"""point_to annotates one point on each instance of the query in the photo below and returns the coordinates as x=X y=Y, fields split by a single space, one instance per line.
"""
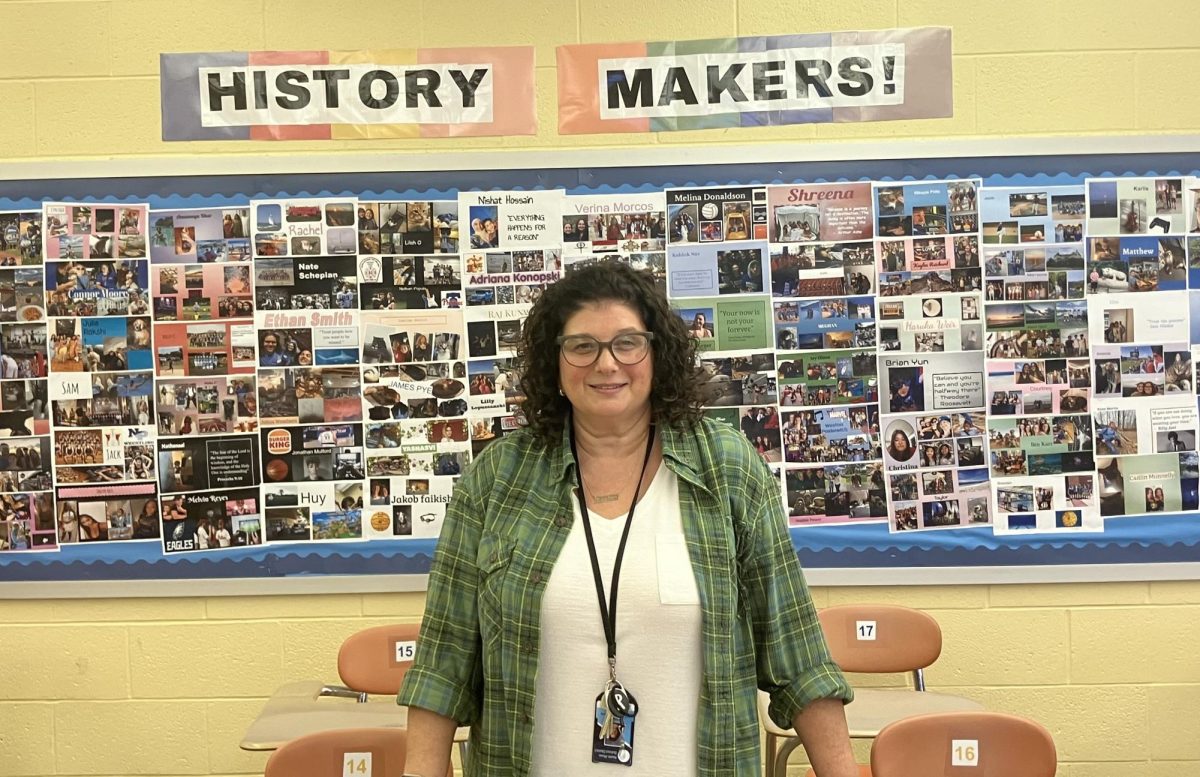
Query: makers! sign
x=309 y=95
x=790 y=79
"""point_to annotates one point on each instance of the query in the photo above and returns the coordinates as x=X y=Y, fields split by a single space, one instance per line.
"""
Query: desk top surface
x=874 y=708
x=298 y=709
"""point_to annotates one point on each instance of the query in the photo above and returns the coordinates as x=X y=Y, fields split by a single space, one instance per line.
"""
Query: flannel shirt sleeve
x=793 y=661
x=446 y=676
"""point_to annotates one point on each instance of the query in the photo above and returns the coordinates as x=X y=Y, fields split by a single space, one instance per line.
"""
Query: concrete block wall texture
x=79 y=78
x=166 y=687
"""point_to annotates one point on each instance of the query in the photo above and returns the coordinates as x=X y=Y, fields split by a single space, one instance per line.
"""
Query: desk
x=871 y=710
x=298 y=709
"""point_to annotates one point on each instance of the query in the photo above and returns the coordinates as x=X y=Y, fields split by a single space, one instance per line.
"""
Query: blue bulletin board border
x=1159 y=540
x=1139 y=542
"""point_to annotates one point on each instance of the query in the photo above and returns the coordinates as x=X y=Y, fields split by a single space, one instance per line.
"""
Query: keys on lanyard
x=617 y=704
x=616 y=709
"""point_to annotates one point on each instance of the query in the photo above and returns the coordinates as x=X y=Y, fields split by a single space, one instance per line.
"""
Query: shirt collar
x=679 y=447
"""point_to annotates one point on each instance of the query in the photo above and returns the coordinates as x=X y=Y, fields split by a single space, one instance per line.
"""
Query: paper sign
x=964 y=752
x=841 y=76
x=356 y=764
x=405 y=651
x=325 y=95
x=864 y=631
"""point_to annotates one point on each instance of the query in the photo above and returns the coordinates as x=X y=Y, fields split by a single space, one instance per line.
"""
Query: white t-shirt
x=659 y=647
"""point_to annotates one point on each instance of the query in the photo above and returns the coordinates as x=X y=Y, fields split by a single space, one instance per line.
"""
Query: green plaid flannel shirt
x=477 y=657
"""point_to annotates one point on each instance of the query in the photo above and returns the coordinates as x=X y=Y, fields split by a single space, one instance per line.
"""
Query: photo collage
x=925 y=355
x=931 y=365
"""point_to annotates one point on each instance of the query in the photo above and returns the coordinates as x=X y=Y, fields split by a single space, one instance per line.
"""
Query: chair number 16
x=964 y=752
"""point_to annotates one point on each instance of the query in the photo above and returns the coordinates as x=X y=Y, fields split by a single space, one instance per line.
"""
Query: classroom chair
x=359 y=752
x=371 y=661
x=374 y=661
x=971 y=744
x=872 y=639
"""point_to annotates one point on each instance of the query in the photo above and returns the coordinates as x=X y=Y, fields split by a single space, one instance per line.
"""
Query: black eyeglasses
x=584 y=350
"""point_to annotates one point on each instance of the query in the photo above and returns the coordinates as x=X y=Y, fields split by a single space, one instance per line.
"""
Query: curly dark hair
x=675 y=391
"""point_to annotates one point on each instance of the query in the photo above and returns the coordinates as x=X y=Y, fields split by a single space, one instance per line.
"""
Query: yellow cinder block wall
x=166 y=687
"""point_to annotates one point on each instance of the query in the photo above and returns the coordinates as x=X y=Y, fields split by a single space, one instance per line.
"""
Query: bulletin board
x=1163 y=544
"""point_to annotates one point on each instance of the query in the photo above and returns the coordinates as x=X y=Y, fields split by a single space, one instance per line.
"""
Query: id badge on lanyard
x=612 y=734
x=616 y=708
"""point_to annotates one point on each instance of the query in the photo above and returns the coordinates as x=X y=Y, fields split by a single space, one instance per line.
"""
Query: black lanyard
x=608 y=610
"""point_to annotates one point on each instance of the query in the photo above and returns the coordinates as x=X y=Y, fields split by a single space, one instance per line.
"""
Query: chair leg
x=462 y=756
x=769 y=755
x=785 y=752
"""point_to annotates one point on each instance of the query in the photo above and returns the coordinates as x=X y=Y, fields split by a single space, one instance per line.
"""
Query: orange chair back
x=362 y=752
x=863 y=771
x=876 y=638
x=964 y=744
x=376 y=660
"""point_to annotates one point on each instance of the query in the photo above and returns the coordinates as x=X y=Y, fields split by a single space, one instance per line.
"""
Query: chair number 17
x=356 y=765
x=865 y=630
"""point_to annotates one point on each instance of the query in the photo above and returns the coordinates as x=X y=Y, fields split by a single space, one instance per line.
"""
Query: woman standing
x=618 y=492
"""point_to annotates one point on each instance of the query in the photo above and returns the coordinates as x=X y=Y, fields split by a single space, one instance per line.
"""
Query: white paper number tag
x=356 y=765
x=964 y=752
x=864 y=630
x=405 y=651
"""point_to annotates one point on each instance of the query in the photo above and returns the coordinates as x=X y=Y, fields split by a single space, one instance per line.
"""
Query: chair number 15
x=865 y=630
x=406 y=650
x=356 y=765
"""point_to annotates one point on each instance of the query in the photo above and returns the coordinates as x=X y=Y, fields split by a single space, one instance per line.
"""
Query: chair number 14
x=865 y=630
x=964 y=752
x=356 y=765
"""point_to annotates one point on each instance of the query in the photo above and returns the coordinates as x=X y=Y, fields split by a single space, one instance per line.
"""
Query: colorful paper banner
x=332 y=95
x=756 y=81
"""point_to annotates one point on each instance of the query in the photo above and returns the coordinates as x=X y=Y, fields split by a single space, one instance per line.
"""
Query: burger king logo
x=279 y=441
